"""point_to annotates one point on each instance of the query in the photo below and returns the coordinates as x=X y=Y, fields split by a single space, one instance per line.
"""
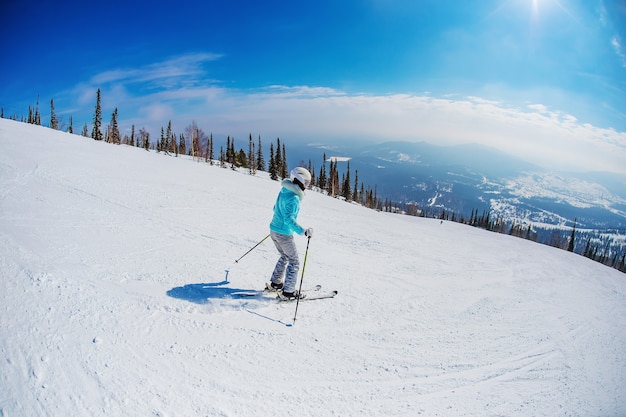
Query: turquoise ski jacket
x=286 y=209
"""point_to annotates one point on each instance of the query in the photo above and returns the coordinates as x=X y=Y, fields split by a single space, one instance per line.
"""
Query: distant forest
x=194 y=142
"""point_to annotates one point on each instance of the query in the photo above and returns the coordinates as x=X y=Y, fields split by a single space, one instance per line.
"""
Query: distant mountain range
x=473 y=177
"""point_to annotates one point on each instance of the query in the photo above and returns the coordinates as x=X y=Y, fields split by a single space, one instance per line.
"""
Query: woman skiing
x=283 y=225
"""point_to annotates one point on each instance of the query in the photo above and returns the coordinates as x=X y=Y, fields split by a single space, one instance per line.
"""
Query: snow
x=573 y=191
x=114 y=301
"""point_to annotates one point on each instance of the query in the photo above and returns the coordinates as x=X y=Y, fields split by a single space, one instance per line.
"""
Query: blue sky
x=543 y=79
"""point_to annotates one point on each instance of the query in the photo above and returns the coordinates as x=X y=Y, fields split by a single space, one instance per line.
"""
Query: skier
x=283 y=225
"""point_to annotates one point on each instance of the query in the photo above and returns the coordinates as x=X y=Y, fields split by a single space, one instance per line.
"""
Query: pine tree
x=115 y=132
x=132 y=136
x=272 y=167
x=161 y=143
x=321 y=180
x=330 y=186
x=231 y=157
x=251 y=156
x=227 y=155
x=222 y=157
x=37 y=119
x=311 y=170
x=570 y=246
x=355 y=193
x=54 y=122
x=85 y=131
x=260 y=161
x=170 y=144
x=528 y=233
x=96 y=132
x=278 y=160
x=241 y=159
x=182 y=145
x=284 y=173
x=346 y=191
x=334 y=185
x=210 y=154
x=71 y=128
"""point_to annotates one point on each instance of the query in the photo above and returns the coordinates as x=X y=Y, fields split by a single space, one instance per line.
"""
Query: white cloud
x=181 y=70
x=179 y=90
x=617 y=45
x=536 y=133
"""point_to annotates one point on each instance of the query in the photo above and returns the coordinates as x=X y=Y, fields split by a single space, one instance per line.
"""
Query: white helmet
x=302 y=175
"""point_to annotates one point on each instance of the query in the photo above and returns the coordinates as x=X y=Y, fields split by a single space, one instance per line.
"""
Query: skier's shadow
x=202 y=293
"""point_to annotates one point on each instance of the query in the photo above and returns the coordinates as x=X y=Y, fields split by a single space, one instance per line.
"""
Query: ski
x=307 y=297
x=269 y=288
x=268 y=291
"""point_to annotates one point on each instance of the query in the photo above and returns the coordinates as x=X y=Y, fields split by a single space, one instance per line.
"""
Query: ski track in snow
x=114 y=301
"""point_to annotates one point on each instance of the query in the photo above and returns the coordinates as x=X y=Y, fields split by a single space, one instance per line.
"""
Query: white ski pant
x=288 y=261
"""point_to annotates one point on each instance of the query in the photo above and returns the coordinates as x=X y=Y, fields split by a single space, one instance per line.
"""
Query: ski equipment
x=306 y=253
x=251 y=249
x=308 y=297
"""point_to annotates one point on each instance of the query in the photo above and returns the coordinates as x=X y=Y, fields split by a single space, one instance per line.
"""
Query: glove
x=308 y=232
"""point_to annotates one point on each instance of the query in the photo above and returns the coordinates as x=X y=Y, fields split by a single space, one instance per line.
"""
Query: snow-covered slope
x=113 y=302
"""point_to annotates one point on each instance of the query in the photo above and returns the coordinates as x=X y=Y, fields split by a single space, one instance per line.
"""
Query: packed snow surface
x=115 y=301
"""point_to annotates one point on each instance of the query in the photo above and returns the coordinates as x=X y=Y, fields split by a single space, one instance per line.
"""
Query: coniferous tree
x=334 y=186
x=321 y=180
x=210 y=154
x=355 y=193
x=54 y=122
x=370 y=201
x=278 y=160
x=230 y=152
x=346 y=191
x=169 y=143
x=132 y=136
x=284 y=169
x=174 y=143
x=272 y=167
x=311 y=170
x=182 y=145
x=71 y=128
x=115 y=132
x=330 y=186
x=241 y=160
x=570 y=246
x=85 y=131
x=222 y=157
x=37 y=120
x=161 y=142
x=227 y=155
x=96 y=132
x=260 y=161
x=251 y=156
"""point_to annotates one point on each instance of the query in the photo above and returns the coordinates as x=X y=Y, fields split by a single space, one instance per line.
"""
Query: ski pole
x=306 y=253
x=251 y=249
